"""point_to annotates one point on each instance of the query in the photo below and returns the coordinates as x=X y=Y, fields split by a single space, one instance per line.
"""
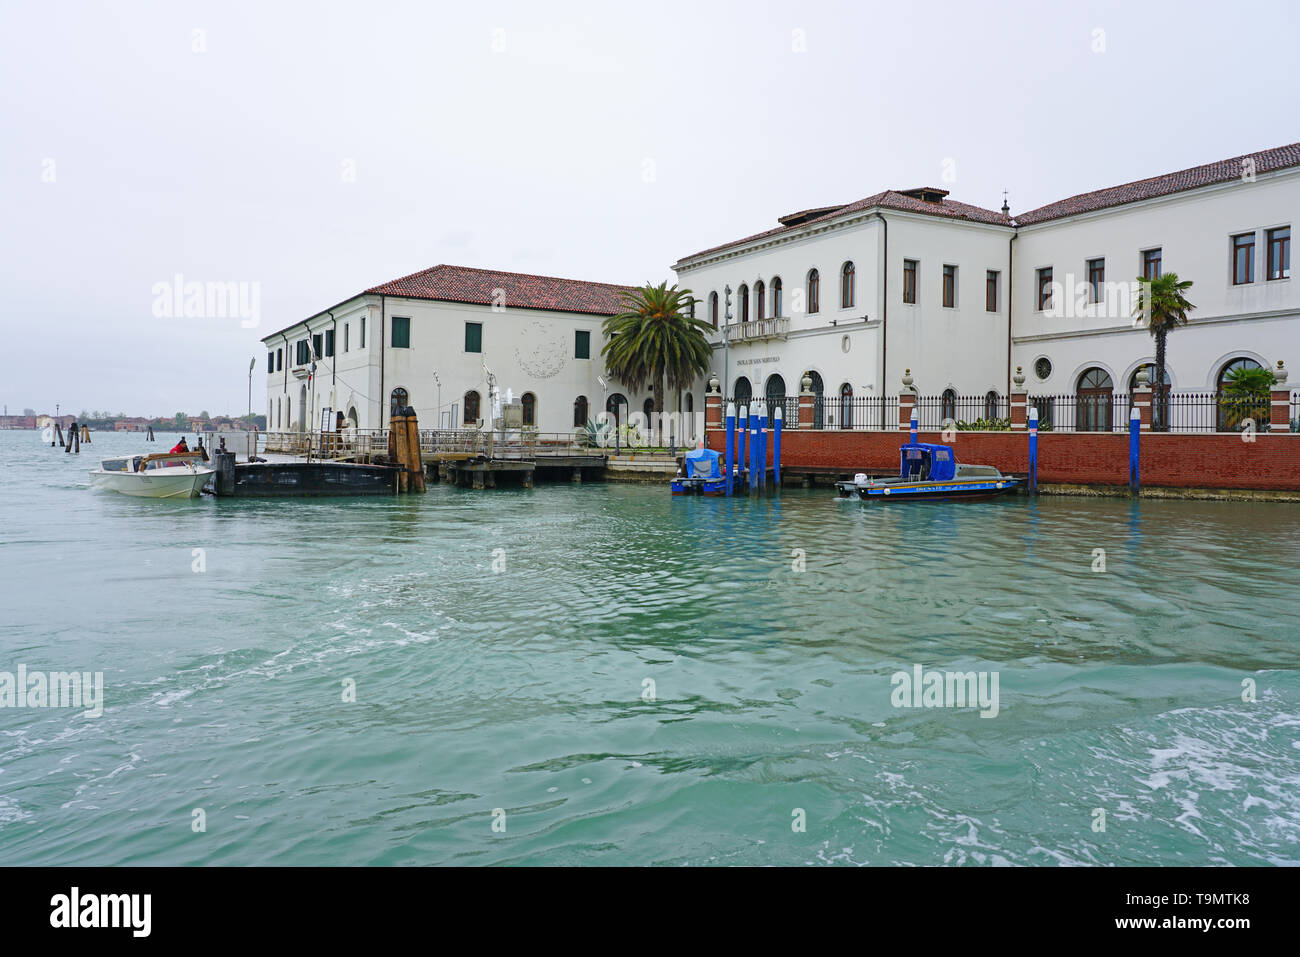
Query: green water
x=525 y=689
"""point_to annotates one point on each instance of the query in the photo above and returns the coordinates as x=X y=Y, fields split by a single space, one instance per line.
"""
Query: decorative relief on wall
x=547 y=358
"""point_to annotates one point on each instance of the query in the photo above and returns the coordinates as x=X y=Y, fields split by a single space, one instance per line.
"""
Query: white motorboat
x=161 y=475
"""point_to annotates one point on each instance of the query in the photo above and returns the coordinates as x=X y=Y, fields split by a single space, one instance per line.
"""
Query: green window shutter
x=473 y=337
x=401 y=332
x=582 y=344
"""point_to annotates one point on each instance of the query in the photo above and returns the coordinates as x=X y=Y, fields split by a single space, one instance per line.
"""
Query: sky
x=307 y=151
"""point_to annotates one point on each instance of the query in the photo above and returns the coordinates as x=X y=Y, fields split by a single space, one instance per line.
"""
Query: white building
x=430 y=340
x=855 y=294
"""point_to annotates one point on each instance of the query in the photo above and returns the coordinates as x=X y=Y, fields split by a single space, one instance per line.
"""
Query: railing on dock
x=368 y=444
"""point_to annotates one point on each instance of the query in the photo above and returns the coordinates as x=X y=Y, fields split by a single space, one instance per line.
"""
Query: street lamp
x=252 y=363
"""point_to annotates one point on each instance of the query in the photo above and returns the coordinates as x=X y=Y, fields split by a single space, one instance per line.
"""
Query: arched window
x=288 y=414
x=713 y=309
x=1233 y=412
x=819 y=400
x=743 y=299
x=775 y=393
x=760 y=300
x=846 y=406
x=615 y=404
x=580 y=411
x=742 y=393
x=1093 y=399
x=814 y=290
x=398 y=401
x=776 y=298
x=529 y=402
x=991 y=405
x=648 y=407
x=690 y=403
x=471 y=407
x=948 y=405
x=847 y=276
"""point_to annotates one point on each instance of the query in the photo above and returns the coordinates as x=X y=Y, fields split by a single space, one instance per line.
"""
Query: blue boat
x=701 y=475
x=930 y=472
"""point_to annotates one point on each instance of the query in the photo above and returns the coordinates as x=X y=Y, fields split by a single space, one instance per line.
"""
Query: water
x=522 y=690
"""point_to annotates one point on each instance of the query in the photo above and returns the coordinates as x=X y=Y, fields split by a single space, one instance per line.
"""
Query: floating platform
x=299 y=479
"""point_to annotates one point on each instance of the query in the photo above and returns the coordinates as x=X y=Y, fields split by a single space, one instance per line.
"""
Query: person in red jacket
x=180 y=446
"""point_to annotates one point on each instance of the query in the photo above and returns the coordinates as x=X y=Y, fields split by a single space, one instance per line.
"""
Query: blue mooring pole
x=913 y=426
x=731 y=442
x=753 y=450
x=742 y=437
x=1033 y=450
x=776 y=447
x=1134 y=443
x=762 y=443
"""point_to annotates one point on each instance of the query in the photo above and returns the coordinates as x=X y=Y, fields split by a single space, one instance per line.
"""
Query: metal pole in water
x=742 y=437
x=776 y=447
x=762 y=443
x=731 y=443
x=1033 y=450
x=753 y=451
x=1134 y=442
x=913 y=425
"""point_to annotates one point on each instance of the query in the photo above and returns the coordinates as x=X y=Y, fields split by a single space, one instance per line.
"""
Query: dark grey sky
x=315 y=149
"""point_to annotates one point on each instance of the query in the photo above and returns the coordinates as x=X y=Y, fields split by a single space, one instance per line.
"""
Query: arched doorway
x=948 y=406
x=398 y=401
x=742 y=394
x=760 y=299
x=614 y=405
x=819 y=400
x=846 y=406
x=529 y=403
x=775 y=394
x=471 y=403
x=580 y=412
x=1232 y=412
x=1093 y=401
x=1159 y=403
x=352 y=421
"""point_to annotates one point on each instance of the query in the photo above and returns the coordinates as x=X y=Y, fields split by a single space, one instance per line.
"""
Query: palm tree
x=1246 y=394
x=1162 y=302
x=656 y=340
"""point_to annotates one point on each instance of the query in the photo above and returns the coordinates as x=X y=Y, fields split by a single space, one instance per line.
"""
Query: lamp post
x=252 y=363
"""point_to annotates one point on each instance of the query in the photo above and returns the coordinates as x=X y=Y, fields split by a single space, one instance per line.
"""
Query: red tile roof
x=1197 y=176
x=522 y=291
x=889 y=199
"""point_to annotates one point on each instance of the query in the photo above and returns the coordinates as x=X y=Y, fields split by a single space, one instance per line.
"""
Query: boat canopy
x=922 y=460
x=702 y=463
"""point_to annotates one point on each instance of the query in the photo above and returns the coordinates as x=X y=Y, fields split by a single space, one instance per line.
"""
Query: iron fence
x=1181 y=412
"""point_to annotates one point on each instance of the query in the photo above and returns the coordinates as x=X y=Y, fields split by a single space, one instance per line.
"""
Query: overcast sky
x=315 y=149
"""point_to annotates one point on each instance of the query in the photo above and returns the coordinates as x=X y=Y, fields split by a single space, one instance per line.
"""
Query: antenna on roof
x=1006 y=210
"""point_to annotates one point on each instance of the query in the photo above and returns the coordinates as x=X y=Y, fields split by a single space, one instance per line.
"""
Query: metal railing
x=371 y=443
x=1182 y=412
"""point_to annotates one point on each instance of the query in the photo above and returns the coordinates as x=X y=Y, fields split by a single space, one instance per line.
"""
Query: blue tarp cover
x=702 y=463
x=922 y=460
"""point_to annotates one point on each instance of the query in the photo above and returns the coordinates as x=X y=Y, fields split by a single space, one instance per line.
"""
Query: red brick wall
x=1272 y=461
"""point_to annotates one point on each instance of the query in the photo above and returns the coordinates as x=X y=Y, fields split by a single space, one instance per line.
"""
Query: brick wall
x=1218 y=461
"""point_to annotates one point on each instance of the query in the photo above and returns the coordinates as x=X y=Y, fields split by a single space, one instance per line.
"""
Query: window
x=345 y=337
x=270 y=362
x=991 y=406
x=398 y=401
x=1279 y=253
x=1243 y=259
x=909 y=281
x=948 y=405
x=713 y=309
x=329 y=342
x=847 y=290
x=1093 y=397
x=1151 y=263
x=1096 y=279
x=580 y=412
x=814 y=290
x=529 y=402
x=1045 y=288
x=744 y=303
x=949 y=286
x=991 y=281
x=471 y=407
x=846 y=406
x=760 y=300
x=474 y=339
x=361 y=343
x=317 y=346
x=582 y=344
x=401 y=332
x=1043 y=367
x=614 y=405
x=1233 y=412
x=743 y=393
x=776 y=298
x=304 y=353
x=279 y=359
